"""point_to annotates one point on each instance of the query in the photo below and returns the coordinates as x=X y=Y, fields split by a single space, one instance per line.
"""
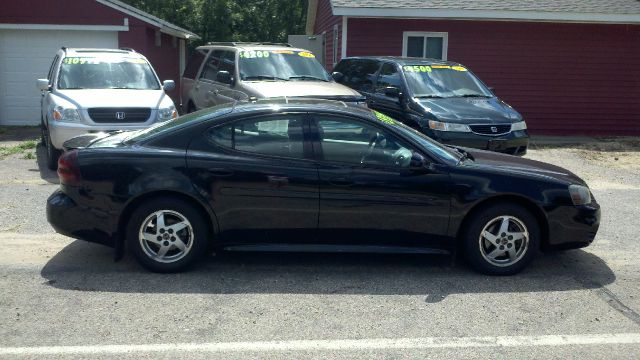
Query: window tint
x=228 y=62
x=357 y=143
x=193 y=65
x=211 y=66
x=389 y=76
x=275 y=136
x=359 y=74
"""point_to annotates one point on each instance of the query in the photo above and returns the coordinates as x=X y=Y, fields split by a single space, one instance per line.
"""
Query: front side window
x=389 y=77
x=292 y=65
x=274 y=136
x=356 y=143
x=443 y=81
x=107 y=72
x=193 y=65
x=212 y=65
x=431 y=45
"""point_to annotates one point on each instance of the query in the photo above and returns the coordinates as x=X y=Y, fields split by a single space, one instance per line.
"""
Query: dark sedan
x=286 y=175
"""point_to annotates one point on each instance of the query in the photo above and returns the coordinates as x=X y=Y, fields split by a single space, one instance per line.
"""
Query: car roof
x=98 y=51
x=400 y=60
x=251 y=46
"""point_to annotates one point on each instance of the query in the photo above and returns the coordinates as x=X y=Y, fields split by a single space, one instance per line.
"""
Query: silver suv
x=223 y=72
x=94 y=90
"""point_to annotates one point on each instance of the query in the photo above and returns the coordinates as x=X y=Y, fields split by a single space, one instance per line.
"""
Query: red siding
x=141 y=35
x=325 y=21
x=563 y=78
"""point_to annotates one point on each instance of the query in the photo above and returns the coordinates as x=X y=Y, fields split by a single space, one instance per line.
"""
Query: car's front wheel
x=501 y=239
x=52 y=153
x=167 y=234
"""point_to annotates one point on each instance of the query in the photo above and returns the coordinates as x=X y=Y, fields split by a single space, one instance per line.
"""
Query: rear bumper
x=70 y=219
x=514 y=142
x=572 y=227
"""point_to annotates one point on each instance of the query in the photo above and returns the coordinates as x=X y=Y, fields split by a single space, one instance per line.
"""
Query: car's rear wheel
x=501 y=239
x=167 y=235
x=52 y=153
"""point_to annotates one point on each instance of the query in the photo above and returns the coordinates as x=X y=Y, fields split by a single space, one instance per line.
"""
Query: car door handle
x=341 y=181
x=220 y=172
x=279 y=180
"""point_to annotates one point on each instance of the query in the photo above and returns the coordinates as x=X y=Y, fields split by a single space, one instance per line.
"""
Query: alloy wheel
x=166 y=236
x=504 y=241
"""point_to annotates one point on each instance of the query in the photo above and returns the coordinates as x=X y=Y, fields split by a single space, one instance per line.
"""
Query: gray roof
x=623 y=7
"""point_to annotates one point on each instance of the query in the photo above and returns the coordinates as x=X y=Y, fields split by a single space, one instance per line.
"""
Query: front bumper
x=70 y=219
x=572 y=227
x=63 y=131
x=514 y=142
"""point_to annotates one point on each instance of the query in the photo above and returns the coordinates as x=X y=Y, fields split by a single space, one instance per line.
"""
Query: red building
x=570 y=67
x=31 y=31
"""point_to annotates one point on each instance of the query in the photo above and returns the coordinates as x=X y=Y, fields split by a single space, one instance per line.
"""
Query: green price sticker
x=417 y=68
x=384 y=118
x=253 y=54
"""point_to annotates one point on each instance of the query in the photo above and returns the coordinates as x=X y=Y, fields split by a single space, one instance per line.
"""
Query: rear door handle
x=341 y=181
x=220 y=172
x=279 y=180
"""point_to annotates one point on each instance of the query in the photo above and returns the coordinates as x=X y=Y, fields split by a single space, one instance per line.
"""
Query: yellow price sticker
x=441 y=66
x=459 y=68
x=417 y=68
x=306 y=54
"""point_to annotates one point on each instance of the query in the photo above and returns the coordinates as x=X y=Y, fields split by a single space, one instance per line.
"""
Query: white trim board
x=455 y=14
x=343 y=50
x=124 y=27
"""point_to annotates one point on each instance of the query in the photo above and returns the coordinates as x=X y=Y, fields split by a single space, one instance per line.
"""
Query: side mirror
x=419 y=164
x=224 y=77
x=168 y=85
x=43 y=84
x=392 y=91
x=337 y=76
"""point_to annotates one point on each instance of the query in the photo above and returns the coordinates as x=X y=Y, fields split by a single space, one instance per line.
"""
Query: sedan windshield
x=259 y=65
x=106 y=73
x=443 y=81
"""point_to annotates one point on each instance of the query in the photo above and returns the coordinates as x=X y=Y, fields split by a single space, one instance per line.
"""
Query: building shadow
x=82 y=266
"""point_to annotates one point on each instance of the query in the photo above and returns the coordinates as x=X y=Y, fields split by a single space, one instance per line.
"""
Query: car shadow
x=46 y=174
x=82 y=266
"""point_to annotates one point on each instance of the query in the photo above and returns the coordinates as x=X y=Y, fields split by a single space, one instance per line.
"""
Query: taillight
x=68 y=169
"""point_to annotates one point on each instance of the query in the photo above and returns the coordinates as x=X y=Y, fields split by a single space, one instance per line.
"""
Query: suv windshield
x=438 y=81
x=106 y=73
x=260 y=65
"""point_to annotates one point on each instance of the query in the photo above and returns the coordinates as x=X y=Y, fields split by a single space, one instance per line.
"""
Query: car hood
x=496 y=162
x=318 y=89
x=471 y=110
x=85 y=99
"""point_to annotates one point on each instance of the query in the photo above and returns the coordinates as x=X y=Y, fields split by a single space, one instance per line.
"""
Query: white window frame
x=425 y=34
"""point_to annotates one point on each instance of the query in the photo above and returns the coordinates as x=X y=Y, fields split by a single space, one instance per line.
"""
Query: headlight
x=65 y=114
x=169 y=113
x=445 y=126
x=520 y=125
x=580 y=195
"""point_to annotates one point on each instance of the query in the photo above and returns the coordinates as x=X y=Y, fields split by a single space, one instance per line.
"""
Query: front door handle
x=278 y=180
x=220 y=172
x=341 y=181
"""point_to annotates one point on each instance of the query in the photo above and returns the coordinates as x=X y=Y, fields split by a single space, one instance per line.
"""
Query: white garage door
x=26 y=55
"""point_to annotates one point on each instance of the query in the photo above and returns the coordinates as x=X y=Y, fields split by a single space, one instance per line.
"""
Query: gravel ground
x=58 y=291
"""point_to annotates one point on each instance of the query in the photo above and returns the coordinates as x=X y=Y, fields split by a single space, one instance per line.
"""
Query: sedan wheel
x=167 y=234
x=501 y=239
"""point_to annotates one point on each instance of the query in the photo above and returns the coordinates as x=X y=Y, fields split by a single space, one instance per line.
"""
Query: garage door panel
x=26 y=55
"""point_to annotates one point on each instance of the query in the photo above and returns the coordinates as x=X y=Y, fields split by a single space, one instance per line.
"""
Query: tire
x=172 y=248
x=52 y=153
x=492 y=250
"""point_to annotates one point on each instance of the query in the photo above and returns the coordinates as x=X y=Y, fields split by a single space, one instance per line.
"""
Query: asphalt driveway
x=66 y=298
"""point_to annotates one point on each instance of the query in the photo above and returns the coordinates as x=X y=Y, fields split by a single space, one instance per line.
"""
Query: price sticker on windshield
x=79 y=61
x=306 y=54
x=459 y=68
x=288 y=52
x=253 y=54
x=384 y=118
x=417 y=68
x=441 y=66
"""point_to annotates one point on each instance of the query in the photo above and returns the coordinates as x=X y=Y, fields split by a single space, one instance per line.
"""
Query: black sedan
x=283 y=175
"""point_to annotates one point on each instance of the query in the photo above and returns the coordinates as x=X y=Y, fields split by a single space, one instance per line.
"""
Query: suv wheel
x=167 y=235
x=52 y=153
x=501 y=239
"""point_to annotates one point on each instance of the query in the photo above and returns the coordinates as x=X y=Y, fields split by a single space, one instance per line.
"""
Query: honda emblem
x=120 y=115
x=494 y=129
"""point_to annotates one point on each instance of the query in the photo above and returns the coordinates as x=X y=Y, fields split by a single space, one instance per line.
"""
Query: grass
x=19 y=149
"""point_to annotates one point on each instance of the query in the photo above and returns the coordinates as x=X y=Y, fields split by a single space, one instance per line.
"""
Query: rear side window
x=359 y=74
x=275 y=136
x=193 y=65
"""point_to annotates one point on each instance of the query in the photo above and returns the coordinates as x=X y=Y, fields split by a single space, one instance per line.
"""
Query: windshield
x=443 y=81
x=212 y=112
x=106 y=73
x=441 y=151
x=290 y=65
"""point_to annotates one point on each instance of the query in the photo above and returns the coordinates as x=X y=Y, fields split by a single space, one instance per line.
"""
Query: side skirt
x=335 y=249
